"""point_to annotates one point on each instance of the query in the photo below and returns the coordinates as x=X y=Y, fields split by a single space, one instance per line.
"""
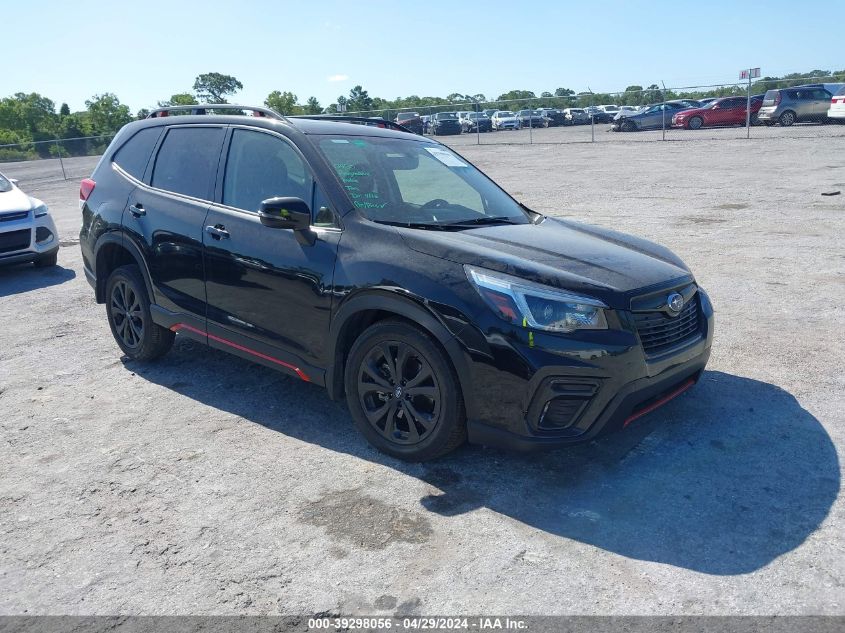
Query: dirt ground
x=208 y=485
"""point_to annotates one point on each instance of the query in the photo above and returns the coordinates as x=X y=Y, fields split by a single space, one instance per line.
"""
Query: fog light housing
x=43 y=235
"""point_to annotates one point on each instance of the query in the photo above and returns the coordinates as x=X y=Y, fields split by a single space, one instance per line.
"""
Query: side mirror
x=14 y=181
x=288 y=213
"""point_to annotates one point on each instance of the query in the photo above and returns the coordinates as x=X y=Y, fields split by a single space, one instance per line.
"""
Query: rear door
x=269 y=295
x=165 y=216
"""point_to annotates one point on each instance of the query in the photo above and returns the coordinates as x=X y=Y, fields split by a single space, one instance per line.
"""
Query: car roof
x=300 y=124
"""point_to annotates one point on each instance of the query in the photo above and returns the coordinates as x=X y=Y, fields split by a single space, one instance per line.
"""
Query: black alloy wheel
x=402 y=392
x=125 y=311
x=130 y=319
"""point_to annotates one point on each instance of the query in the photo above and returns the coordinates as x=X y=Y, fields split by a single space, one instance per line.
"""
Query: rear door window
x=187 y=161
x=134 y=154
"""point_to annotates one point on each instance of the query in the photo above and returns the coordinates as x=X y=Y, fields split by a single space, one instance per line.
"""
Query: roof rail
x=360 y=120
x=202 y=108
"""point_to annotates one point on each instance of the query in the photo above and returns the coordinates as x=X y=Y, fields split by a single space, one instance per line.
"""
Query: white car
x=504 y=120
x=837 y=105
x=27 y=231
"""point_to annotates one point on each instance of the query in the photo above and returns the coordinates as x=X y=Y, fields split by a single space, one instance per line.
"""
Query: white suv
x=27 y=231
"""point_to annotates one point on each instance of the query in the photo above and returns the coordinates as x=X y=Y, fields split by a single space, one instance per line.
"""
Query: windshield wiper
x=412 y=225
x=482 y=221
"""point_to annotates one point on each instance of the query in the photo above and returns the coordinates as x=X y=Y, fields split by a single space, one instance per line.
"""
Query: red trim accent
x=184 y=326
x=659 y=403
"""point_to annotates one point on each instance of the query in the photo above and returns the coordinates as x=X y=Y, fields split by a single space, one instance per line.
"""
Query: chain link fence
x=797 y=107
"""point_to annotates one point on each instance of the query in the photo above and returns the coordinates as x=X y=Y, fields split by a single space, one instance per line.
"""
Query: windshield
x=446 y=115
x=504 y=113
x=611 y=108
x=420 y=184
x=404 y=116
x=5 y=185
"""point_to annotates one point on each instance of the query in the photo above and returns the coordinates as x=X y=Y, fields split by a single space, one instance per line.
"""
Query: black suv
x=385 y=267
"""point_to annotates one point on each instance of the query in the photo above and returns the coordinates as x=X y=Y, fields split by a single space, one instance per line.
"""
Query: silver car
x=790 y=105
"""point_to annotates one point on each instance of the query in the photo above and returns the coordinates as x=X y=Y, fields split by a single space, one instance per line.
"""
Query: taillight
x=86 y=187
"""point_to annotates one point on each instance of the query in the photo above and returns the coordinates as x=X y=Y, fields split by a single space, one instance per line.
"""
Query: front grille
x=14 y=215
x=14 y=241
x=659 y=331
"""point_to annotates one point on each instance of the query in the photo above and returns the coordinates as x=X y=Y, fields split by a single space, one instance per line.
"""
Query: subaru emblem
x=675 y=302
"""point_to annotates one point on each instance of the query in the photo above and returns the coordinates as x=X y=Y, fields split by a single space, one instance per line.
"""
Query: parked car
x=389 y=270
x=476 y=122
x=445 y=123
x=705 y=101
x=529 y=118
x=552 y=117
x=791 y=105
x=27 y=230
x=410 y=120
x=650 y=117
x=598 y=115
x=610 y=109
x=576 y=116
x=724 y=111
x=690 y=103
x=627 y=109
x=837 y=106
x=490 y=112
x=504 y=120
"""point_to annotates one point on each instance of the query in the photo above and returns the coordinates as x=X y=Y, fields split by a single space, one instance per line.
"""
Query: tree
x=283 y=102
x=312 y=106
x=564 y=92
x=215 y=87
x=64 y=110
x=107 y=114
x=359 y=100
x=28 y=117
x=181 y=98
x=143 y=113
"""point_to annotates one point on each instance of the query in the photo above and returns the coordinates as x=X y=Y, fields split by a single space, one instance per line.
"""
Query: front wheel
x=130 y=320
x=46 y=261
x=628 y=126
x=403 y=393
x=695 y=123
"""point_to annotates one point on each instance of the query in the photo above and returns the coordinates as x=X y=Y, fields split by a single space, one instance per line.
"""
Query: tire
x=429 y=419
x=130 y=320
x=787 y=118
x=47 y=260
x=695 y=123
x=628 y=126
x=754 y=119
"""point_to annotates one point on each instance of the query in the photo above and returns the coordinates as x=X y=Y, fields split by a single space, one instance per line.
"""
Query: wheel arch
x=113 y=251
x=369 y=307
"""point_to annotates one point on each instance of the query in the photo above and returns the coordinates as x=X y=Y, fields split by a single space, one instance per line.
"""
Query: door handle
x=137 y=210
x=218 y=232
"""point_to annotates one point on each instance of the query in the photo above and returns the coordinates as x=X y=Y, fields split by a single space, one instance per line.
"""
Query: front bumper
x=601 y=388
x=27 y=239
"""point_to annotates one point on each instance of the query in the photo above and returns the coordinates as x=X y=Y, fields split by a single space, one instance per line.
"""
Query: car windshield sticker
x=359 y=184
x=446 y=157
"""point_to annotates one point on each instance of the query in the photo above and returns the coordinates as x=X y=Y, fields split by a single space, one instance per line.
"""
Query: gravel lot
x=205 y=484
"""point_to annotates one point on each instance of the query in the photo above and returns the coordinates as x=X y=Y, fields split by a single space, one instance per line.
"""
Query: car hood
x=560 y=253
x=15 y=200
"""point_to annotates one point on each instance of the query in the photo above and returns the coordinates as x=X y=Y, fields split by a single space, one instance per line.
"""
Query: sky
x=146 y=51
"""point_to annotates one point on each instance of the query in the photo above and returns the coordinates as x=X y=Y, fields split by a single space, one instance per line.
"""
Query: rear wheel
x=403 y=394
x=695 y=123
x=130 y=320
x=787 y=118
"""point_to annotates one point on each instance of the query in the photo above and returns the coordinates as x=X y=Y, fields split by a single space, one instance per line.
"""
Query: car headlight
x=40 y=211
x=537 y=306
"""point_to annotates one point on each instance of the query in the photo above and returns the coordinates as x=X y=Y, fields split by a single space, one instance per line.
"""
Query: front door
x=269 y=295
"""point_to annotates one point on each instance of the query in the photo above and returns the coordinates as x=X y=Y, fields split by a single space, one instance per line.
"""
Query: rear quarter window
x=187 y=160
x=134 y=154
